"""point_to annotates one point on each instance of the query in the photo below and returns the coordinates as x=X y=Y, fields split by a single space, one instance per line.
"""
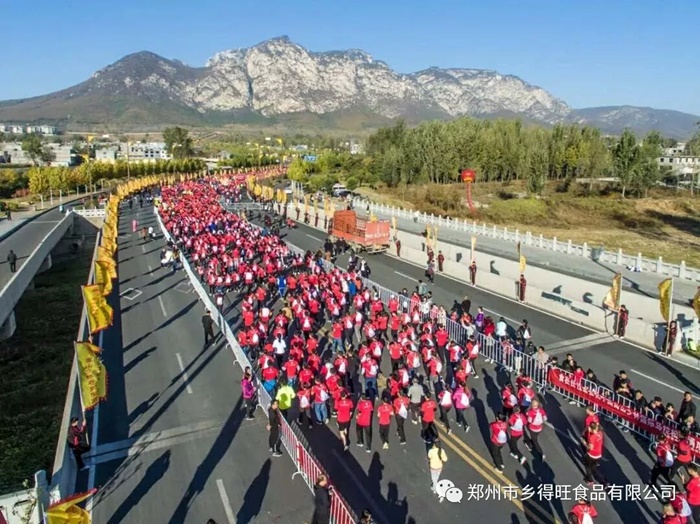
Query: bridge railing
x=471 y=227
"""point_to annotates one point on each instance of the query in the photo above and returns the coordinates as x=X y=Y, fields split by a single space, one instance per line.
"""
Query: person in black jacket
x=687 y=407
x=274 y=426
x=322 y=501
x=77 y=441
x=208 y=325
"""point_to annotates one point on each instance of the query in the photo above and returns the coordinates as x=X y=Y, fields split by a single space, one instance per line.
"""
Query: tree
x=33 y=147
x=626 y=159
x=352 y=183
x=178 y=142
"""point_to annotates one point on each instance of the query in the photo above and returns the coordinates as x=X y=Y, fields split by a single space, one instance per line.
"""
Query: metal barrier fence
x=618 y=409
x=304 y=461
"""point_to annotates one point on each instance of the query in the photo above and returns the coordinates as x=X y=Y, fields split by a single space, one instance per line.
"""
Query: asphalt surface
x=25 y=240
x=172 y=444
x=640 y=283
x=395 y=483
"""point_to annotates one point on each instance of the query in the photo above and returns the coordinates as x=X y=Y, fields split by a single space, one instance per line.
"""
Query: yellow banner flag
x=696 y=303
x=103 y=278
x=109 y=244
x=99 y=312
x=67 y=511
x=612 y=299
x=93 y=375
x=110 y=263
x=666 y=297
x=523 y=264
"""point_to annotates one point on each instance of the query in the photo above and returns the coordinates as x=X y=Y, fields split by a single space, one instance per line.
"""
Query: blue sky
x=588 y=53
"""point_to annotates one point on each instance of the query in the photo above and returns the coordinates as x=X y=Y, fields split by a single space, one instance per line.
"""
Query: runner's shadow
x=254 y=496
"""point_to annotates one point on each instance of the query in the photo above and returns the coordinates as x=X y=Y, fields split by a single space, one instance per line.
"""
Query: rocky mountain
x=278 y=81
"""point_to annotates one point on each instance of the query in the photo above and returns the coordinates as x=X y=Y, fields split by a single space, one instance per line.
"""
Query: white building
x=356 y=149
x=683 y=165
x=12 y=153
x=42 y=130
x=139 y=152
x=106 y=155
x=9 y=128
x=677 y=150
x=63 y=155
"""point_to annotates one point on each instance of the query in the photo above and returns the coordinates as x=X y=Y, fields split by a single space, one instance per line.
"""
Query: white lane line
x=315 y=238
x=227 y=504
x=405 y=275
x=143 y=247
x=150 y=267
x=93 y=443
x=635 y=372
x=162 y=306
x=185 y=378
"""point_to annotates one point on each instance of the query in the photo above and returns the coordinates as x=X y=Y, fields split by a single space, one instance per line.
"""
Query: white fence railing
x=90 y=213
x=566 y=247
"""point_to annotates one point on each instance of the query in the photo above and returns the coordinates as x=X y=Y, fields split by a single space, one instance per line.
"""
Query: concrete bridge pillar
x=45 y=265
x=8 y=327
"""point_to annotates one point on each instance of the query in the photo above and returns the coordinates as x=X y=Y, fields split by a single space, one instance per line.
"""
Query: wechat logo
x=446 y=489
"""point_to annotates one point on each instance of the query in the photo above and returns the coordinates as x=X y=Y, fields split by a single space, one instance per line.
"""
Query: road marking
x=128 y=291
x=45 y=221
x=150 y=268
x=156 y=436
x=405 y=275
x=315 y=238
x=162 y=306
x=657 y=381
x=370 y=501
x=143 y=247
x=227 y=504
x=93 y=442
x=185 y=379
x=152 y=445
x=455 y=444
x=588 y=341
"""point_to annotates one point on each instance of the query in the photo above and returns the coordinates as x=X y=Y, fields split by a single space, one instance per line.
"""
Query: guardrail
x=90 y=213
x=306 y=464
x=566 y=247
x=15 y=288
x=26 y=506
x=65 y=470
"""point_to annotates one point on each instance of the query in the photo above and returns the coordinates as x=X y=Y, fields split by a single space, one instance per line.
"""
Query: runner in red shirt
x=582 y=509
x=670 y=516
x=499 y=438
x=363 y=423
x=384 y=413
x=594 y=452
x=401 y=405
x=427 y=419
x=344 y=410
x=692 y=490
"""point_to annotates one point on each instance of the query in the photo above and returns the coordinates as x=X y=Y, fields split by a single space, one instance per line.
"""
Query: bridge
x=166 y=434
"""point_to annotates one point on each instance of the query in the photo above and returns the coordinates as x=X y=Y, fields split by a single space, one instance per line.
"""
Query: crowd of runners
x=325 y=347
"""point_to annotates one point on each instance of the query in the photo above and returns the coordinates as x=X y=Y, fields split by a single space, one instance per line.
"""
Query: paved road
x=25 y=239
x=172 y=443
x=600 y=272
x=394 y=483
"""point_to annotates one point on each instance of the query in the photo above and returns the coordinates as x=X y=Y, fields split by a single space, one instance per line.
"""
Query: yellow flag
x=696 y=303
x=612 y=299
x=109 y=244
x=67 y=511
x=523 y=264
x=93 y=375
x=665 y=297
x=99 y=312
x=102 y=277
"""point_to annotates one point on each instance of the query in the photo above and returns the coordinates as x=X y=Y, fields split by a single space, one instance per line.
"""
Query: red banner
x=605 y=400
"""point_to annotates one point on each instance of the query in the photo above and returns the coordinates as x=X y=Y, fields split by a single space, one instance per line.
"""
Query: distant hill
x=280 y=82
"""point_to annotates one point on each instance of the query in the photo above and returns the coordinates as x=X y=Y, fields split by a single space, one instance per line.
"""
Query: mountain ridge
x=277 y=80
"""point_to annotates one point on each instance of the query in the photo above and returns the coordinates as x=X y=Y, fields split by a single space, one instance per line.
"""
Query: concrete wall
x=571 y=298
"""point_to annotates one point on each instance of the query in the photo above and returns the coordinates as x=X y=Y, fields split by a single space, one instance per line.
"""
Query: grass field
x=665 y=224
x=35 y=365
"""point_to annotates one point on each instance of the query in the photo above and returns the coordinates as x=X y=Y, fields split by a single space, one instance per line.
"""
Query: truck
x=361 y=234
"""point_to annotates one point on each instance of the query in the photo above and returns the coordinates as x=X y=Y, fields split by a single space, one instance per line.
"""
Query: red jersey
x=427 y=410
x=344 y=409
x=384 y=412
x=499 y=433
x=595 y=444
x=364 y=413
x=692 y=488
x=536 y=417
x=582 y=509
x=517 y=423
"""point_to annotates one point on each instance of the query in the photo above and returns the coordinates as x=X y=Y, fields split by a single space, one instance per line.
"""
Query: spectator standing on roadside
x=322 y=501
x=687 y=408
x=472 y=273
x=274 y=426
x=77 y=441
x=623 y=316
x=208 y=325
x=248 y=389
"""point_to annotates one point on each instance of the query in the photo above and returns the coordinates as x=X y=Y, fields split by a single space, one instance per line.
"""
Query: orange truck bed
x=365 y=233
